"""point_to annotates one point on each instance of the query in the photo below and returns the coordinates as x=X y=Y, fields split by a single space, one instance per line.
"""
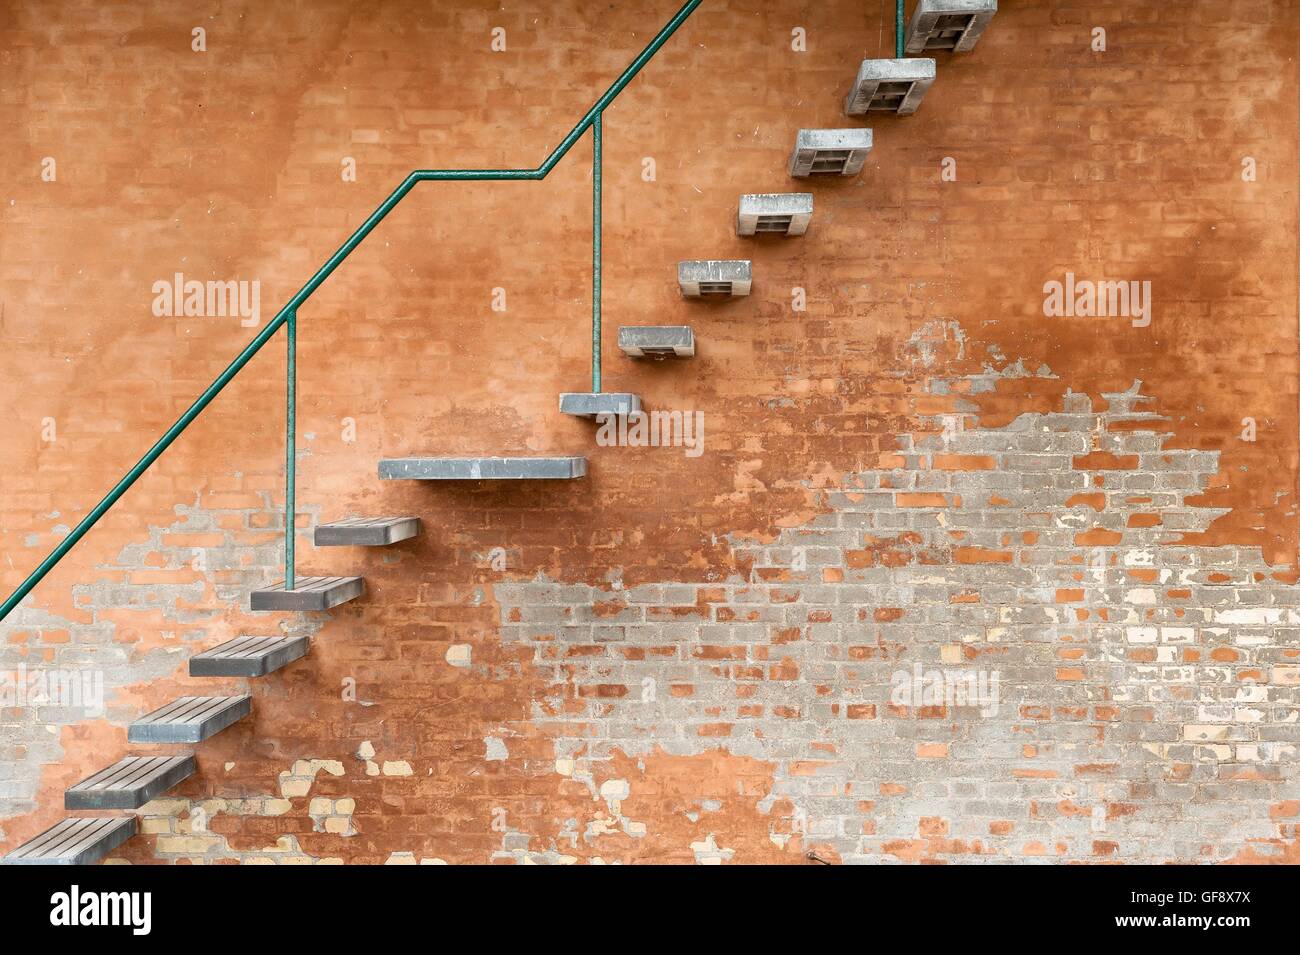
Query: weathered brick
x=724 y=633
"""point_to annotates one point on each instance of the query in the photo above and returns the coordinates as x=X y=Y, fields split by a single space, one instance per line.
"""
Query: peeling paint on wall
x=781 y=651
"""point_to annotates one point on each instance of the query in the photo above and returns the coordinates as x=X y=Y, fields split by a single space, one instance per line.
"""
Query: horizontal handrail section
x=290 y=309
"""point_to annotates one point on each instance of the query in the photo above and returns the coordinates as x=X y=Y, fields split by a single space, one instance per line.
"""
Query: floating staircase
x=895 y=86
x=248 y=656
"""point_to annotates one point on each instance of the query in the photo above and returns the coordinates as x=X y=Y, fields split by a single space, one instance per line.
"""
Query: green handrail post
x=898 y=29
x=290 y=449
x=596 y=202
x=289 y=312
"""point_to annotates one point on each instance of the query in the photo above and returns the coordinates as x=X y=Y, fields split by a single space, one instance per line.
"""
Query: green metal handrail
x=288 y=315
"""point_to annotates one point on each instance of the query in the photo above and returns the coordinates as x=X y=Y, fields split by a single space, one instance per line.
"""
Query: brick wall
x=690 y=659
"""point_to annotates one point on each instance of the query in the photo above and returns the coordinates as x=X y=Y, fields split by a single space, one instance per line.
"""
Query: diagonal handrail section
x=288 y=314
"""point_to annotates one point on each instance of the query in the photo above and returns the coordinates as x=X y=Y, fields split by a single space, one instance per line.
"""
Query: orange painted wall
x=225 y=164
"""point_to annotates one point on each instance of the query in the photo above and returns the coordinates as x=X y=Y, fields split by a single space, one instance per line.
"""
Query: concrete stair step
x=656 y=341
x=715 y=278
x=366 y=531
x=596 y=404
x=890 y=86
x=954 y=25
x=77 y=840
x=309 y=593
x=774 y=213
x=483 y=469
x=829 y=152
x=248 y=656
x=130 y=782
x=190 y=719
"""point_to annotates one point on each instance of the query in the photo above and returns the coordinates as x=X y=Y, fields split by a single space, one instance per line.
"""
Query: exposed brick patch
x=156 y=603
x=1117 y=695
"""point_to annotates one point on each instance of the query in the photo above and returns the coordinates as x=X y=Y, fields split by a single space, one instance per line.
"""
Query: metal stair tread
x=190 y=719
x=366 y=531
x=75 y=840
x=517 y=468
x=309 y=593
x=130 y=782
x=248 y=656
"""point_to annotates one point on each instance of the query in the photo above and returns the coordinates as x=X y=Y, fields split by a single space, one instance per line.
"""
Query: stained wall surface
x=1081 y=530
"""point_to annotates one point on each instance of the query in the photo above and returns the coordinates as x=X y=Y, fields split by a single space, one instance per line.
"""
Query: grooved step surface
x=309 y=593
x=129 y=783
x=483 y=469
x=656 y=341
x=366 y=531
x=74 y=841
x=190 y=719
x=588 y=404
x=248 y=656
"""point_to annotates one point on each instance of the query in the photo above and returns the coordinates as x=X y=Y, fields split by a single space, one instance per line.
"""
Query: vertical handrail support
x=290 y=448
x=596 y=228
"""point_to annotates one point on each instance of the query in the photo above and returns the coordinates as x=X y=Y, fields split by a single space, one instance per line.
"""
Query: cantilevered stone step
x=830 y=152
x=74 y=841
x=309 y=593
x=715 y=278
x=656 y=341
x=890 y=86
x=129 y=783
x=483 y=469
x=366 y=531
x=774 y=213
x=190 y=719
x=949 y=24
x=595 y=404
x=248 y=656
